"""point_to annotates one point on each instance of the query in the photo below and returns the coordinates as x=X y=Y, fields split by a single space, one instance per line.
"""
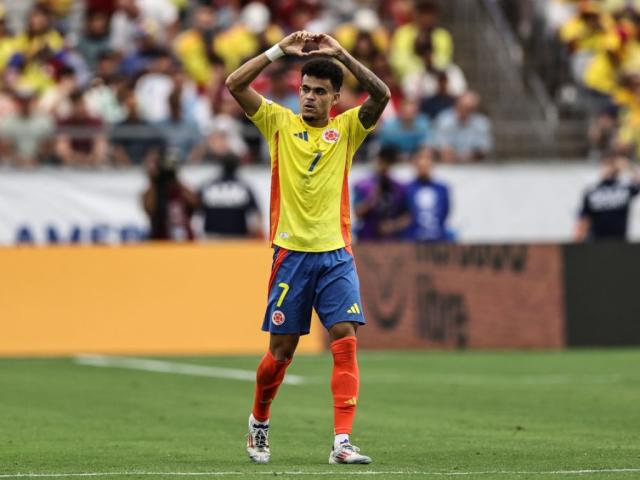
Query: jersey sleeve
x=269 y=117
x=585 y=208
x=357 y=132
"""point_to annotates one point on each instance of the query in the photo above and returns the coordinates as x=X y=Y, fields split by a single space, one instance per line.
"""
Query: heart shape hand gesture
x=303 y=44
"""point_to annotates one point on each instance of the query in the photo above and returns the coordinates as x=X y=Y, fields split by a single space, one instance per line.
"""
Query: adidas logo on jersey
x=302 y=135
x=354 y=309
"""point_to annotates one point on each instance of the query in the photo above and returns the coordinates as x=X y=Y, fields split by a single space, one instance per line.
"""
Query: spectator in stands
x=125 y=25
x=6 y=40
x=147 y=49
x=95 y=40
x=382 y=69
x=66 y=15
x=224 y=131
x=8 y=105
x=162 y=17
x=585 y=34
x=603 y=132
x=462 y=134
x=365 y=24
x=81 y=140
x=252 y=34
x=108 y=90
x=605 y=69
x=295 y=15
x=135 y=140
x=280 y=89
x=34 y=51
x=366 y=49
x=129 y=44
x=425 y=82
x=194 y=48
x=441 y=100
x=55 y=101
x=168 y=203
x=25 y=136
x=39 y=36
x=627 y=139
x=428 y=202
x=364 y=37
x=604 y=214
x=106 y=6
x=228 y=204
x=409 y=131
x=425 y=18
x=154 y=87
x=180 y=130
x=227 y=12
x=379 y=202
x=157 y=17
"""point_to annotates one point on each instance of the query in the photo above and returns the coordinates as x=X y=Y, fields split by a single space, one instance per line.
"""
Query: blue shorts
x=326 y=281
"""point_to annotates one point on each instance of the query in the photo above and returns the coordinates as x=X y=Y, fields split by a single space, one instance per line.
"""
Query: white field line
x=336 y=472
x=149 y=365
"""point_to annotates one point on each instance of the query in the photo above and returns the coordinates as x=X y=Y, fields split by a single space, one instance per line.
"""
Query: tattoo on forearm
x=373 y=107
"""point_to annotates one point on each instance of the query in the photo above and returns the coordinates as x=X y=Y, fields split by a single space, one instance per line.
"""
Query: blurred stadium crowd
x=92 y=83
x=593 y=48
x=604 y=41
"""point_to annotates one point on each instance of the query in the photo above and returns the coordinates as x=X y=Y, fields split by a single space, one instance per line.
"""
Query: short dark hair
x=324 y=68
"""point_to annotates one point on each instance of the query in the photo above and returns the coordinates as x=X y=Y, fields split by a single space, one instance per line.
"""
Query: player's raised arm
x=379 y=93
x=239 y=82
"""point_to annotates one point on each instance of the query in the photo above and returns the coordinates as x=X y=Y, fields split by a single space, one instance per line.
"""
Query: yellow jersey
x=310 y=210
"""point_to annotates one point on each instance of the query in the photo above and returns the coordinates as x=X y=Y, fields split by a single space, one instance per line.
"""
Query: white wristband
x=274 y=53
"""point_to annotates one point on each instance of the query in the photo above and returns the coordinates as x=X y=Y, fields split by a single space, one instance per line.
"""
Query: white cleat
x=348 y=454
x=258 y=442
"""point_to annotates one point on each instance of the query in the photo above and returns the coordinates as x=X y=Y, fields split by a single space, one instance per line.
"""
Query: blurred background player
x=311 y=155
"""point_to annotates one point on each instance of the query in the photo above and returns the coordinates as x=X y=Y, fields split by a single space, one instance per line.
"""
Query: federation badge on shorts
x=330 y=135
x=277 y=317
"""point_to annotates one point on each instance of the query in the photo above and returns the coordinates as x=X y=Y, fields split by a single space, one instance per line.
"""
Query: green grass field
x=520 y=415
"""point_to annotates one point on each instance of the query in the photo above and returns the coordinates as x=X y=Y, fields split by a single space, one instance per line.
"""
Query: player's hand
x=295 y=43
x=326 y=44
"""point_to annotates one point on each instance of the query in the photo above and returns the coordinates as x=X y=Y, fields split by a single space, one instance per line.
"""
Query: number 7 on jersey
x=316 y=159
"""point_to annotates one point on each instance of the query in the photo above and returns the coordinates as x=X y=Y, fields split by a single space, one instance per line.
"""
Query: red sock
x=344 y=384
x=268 y=378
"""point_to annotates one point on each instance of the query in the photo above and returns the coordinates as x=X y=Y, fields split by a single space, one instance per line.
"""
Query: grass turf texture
x=452 y=412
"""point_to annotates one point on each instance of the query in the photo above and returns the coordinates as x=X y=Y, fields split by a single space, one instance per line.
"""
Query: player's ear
x=336 y=98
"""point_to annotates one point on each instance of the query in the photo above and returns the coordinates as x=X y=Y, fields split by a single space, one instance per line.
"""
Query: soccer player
x=310 y=230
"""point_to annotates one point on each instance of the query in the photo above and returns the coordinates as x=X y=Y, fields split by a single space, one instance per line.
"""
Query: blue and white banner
x=57 y=206
x=490 y=203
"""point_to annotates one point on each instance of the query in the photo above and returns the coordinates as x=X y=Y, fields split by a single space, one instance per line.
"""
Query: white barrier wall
x=491 y=203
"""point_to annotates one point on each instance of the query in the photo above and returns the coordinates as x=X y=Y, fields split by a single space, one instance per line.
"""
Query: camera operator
x=380 y=203
x=168 y=203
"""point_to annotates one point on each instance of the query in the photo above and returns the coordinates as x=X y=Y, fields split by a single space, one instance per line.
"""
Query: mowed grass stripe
x=58 y=417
